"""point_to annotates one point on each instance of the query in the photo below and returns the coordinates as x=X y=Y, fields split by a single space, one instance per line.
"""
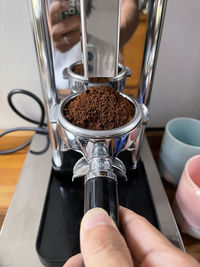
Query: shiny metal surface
x=100 y=27
x=99 y=147
x=84 y=140
x=108 y=174
x=101 y=134
x=100 y=164
x=57 y=51
x=56 y=32
x=44 y=48
x=78 y=83
x=19 y=231
x=83 y=10
x=20 y=227
x=163 y=210
x=82 y=168
x=157 y=10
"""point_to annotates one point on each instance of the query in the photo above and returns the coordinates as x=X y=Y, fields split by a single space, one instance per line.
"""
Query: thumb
x=101 y=242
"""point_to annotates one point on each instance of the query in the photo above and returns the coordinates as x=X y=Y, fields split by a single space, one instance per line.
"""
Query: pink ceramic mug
x=186 y=204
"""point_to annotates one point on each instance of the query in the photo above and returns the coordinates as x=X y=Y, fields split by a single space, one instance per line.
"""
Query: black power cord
x=40 y=129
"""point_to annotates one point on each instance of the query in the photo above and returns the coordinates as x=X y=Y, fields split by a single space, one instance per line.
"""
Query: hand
x=102 y=245
x=65 y=33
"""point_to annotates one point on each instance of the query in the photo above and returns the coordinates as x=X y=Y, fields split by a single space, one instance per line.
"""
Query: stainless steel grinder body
x=104 y=57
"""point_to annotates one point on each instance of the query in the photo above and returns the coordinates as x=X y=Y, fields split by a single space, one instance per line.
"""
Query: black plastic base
x=58 y=236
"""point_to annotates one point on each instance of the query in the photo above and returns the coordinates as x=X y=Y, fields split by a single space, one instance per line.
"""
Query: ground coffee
x=78 y=69
x=99 y=108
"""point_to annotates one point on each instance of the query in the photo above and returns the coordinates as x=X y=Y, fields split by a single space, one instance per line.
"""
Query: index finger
x=148 y=246
x=140 y=235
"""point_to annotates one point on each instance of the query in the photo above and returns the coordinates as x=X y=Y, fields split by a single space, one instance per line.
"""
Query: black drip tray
x=58 y=236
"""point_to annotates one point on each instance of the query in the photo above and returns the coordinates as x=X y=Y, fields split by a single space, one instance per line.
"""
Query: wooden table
x=11 y=165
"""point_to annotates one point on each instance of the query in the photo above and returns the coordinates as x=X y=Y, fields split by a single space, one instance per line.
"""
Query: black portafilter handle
x=102 y=192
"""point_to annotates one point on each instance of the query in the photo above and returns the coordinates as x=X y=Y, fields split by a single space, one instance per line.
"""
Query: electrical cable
x=22 y=91
x=40 y=123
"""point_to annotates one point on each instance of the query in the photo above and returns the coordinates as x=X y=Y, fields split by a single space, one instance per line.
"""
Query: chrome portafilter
x=78 y=83
x=99 y=164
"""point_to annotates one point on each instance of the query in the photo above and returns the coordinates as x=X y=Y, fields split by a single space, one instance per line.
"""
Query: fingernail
x=96 y=217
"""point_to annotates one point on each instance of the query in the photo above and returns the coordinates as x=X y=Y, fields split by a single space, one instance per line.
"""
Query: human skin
x=138 y=244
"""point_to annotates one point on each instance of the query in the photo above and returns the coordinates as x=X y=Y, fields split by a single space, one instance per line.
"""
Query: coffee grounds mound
x=99 y=108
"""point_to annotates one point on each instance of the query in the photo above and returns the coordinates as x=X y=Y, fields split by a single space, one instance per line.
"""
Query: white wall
x=18 y=65
x=176 y=89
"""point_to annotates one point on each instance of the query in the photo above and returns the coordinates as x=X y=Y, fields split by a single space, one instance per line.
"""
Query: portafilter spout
x=100 y=165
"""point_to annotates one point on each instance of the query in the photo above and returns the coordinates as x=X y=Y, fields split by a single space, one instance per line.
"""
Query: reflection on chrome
x=157 y=10
x=57 y=29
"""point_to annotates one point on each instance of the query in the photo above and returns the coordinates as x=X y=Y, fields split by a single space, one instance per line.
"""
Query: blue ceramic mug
x=180 y=142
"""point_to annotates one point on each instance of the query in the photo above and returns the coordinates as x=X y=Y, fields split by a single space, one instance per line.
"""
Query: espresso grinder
x=87 y=168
